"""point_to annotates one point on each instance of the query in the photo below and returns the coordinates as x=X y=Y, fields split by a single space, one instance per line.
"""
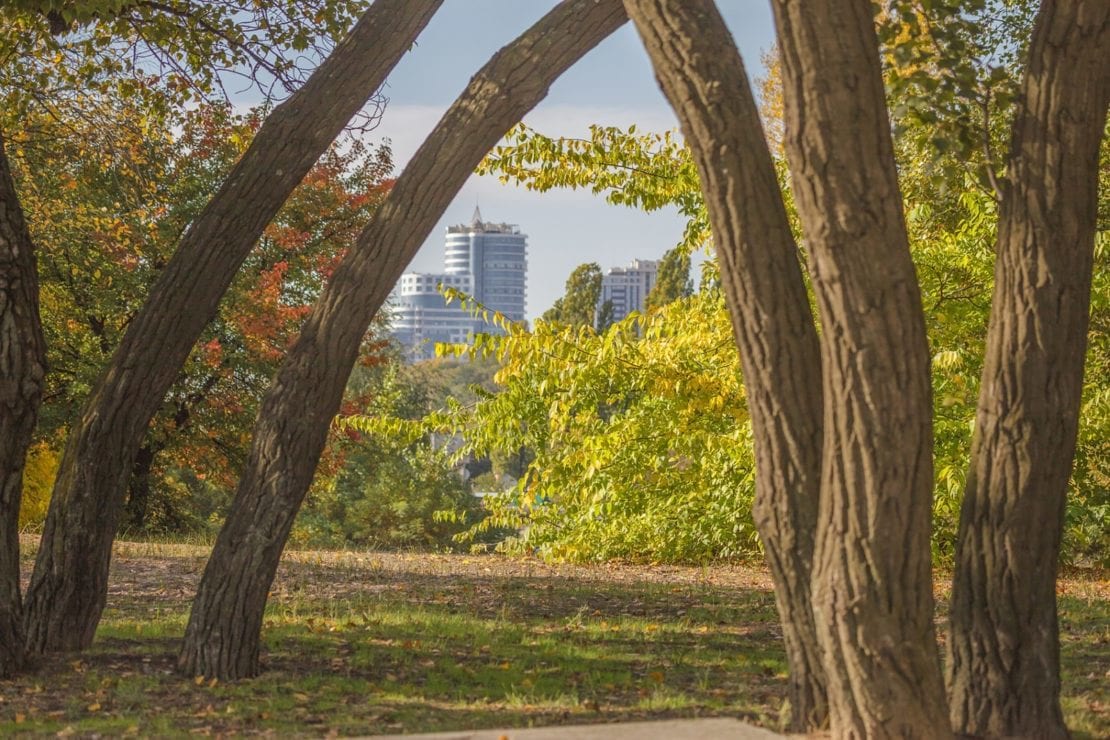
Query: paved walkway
x=718 y=728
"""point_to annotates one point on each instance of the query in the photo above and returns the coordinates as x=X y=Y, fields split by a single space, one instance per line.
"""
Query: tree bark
x=69 y=584
x=22 y=370
x=138 y=489
x=701 y=73
x=222 y=637
x=872 y=587
x=1004 y=666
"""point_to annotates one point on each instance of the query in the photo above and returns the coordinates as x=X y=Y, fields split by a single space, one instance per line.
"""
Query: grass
x=359 y=643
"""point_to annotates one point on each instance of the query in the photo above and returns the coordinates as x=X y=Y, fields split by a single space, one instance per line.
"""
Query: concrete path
x=717 y=728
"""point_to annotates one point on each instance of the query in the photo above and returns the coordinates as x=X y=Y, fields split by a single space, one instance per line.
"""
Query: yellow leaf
x=94 y=707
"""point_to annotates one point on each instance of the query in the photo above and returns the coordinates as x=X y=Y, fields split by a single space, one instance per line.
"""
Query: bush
x=38 y=483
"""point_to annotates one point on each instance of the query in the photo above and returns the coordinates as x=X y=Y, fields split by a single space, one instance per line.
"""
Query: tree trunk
x=22 y=369
x=222 y=637
x=138 y=489
x=872 y=587
x=702 y=75
x=69 y=583
x=1004 y=667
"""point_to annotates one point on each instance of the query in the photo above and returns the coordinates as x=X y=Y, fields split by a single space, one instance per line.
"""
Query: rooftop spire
x=477 y=220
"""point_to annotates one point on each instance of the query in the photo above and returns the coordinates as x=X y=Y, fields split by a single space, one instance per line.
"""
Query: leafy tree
x=952 y=227
x=224 y=630
x=842 y=161
x=441 y=381
x=637 y=437
x=605 y=315
x=673 y=279
x=137 y=202
x=388 y=492
x=386 y=499
x=555 y=312
x=158 y=55
x=579 y=305
x=69 y=583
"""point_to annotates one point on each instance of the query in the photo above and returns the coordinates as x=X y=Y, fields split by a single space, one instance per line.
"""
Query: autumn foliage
x=107 y=216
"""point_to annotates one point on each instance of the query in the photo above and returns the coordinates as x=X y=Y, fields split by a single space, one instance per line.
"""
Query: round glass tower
x=496 y=257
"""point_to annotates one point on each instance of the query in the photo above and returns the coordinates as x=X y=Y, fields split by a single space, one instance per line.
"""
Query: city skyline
x=487 y=261
x=613 y=85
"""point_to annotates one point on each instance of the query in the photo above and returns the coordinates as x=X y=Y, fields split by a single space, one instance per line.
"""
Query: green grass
x=361 y=643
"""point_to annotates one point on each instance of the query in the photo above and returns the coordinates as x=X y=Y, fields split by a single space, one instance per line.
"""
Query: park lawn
x=363 y=643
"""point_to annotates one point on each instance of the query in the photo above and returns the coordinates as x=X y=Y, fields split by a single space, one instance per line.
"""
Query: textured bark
x=872 y=587
x=69 y=584
x=222 y=637
x=22 y=369
x=1004 y=668
x=701 y=73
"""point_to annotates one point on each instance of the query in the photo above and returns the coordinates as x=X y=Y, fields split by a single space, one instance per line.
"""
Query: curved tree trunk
x=22 y=369
x=222 y=637
x=1004 y=666
x=69 y=584
x=872 y=587
x=702 y=75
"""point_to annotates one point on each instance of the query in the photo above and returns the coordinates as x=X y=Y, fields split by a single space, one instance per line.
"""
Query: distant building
x=487 y=261
x=628 y=287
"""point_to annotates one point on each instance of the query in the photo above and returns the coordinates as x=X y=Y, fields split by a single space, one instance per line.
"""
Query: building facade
x=627 y=288
x=487 y=261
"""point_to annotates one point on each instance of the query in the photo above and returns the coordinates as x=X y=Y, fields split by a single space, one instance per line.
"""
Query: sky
x=613 y=86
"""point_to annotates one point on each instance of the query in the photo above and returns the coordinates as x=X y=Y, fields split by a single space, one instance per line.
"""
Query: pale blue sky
x=613 y=85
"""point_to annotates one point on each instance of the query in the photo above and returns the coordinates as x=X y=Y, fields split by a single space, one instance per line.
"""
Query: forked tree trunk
x=872 y=587
x=22 y=369
x=69 y=584
x=1004 y=667
x=222 y=637
x=701 y=73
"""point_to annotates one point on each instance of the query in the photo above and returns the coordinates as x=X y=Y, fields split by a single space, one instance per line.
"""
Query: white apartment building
x=628 y=287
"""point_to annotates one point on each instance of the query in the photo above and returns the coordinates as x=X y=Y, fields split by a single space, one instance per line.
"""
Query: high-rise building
x=487 y=261
x=627 y=288
x=495 y=258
